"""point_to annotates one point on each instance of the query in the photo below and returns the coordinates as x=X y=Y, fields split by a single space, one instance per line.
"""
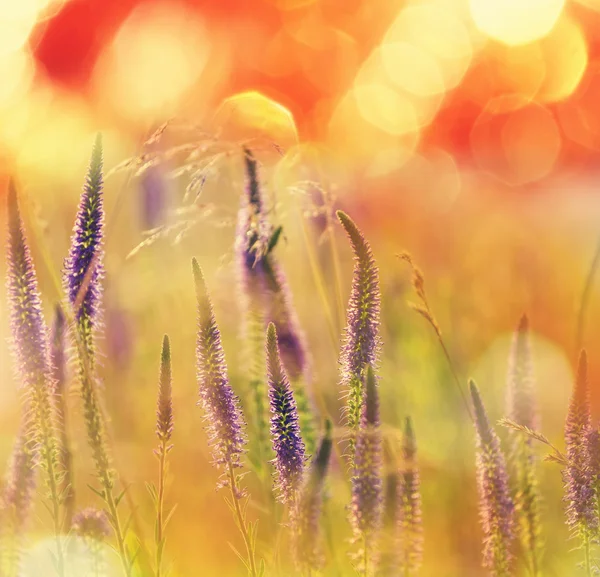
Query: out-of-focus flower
x=496 y=508
x=307 y=549
x=221 y=405
x=367 y=491
x=361 y=342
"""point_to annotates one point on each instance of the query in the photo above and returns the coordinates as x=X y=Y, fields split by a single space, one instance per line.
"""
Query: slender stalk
x=160 y=504
x=116 y=524
x=48 y=451
x=588 y=562
x=365 y=556
x=584 y=300
x=318 y=278
x=94 y=423
x=241 y=519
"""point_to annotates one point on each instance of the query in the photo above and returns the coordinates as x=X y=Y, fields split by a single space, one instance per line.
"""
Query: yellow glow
x=552 y=367
x=566 y=55
x=424 y=106
x=413 y=69
x=309 y=161
x=356 y=138
x=17 y=18
x=515 y=21
x=159 y=52
x=439 y=33
x=254 y=115
x=78 y=559
x=16 y=72
x=386 y=109
x=593 y=4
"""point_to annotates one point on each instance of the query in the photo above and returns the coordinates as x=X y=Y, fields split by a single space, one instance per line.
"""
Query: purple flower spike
x=367 y=489
x=496 y=508
x=84 y=267
x=307 y=550
x=221 y=405
x=411 y=528
x=263 y=283
x=164 y=410
x=29 y=332
x=579 y=478
x=361 y=342
x=285 y=430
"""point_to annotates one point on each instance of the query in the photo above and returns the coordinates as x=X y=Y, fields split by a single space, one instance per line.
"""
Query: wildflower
x=409 y=518
x=164 y=410
x=16 y=501
x=30 y=343
x=361 y=342
x=366 y=508
x=164 y=431
x=579 y=480
x=307 y=550
x=521 y=409
x=84 y=267
x=82 y=278
x=222 y=407
x=285 y=431
x=265 y=298
x=58 y=362
x=91 y=523
x=495 y=504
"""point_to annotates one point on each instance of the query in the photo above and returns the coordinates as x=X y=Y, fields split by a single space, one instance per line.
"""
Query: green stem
x=49 y=455
x=586 y=546
x=114 y=516
x=365 y=556
x=233 y=486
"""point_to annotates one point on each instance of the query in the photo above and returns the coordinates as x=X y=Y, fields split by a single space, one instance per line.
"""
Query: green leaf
x=169 y=515
x=240 y=556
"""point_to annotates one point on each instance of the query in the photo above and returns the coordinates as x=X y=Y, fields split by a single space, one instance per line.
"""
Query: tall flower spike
x=58 y=361
x=82 y=279
x=30 y=343
x=410 y=524
x=164 y=431
x=164 y=409
x=367 y=492
x=285 y=432
x=361 y=342
x=29 y=333
x=522 y=460
x=496 y=508
x=222 y=407
x=582 y=518
x=265 y=298
x=307 y=549
x=84 y=267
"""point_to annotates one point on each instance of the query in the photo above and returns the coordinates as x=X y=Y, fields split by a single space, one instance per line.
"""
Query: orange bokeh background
x=466 y=131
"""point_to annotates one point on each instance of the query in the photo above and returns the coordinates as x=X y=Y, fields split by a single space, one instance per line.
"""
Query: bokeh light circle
x=566 y=55
x=516 y=21
x=518 y=143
